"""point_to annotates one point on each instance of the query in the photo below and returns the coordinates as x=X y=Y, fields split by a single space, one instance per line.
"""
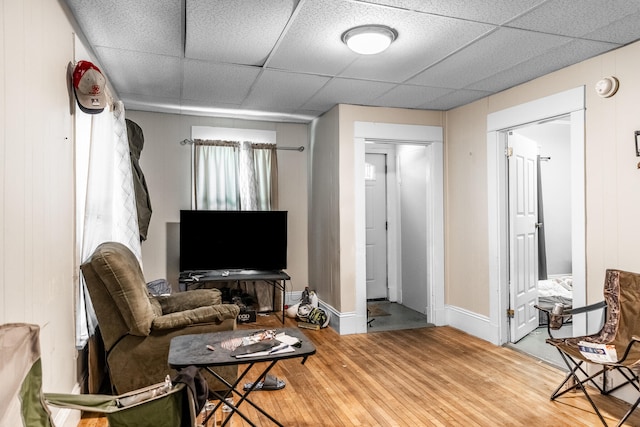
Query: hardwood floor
x=436 y=376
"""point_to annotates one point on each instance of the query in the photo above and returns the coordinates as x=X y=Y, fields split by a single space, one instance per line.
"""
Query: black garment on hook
x=143 y=202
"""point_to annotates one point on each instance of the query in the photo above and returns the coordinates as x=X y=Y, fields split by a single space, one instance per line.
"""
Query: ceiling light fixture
x=369 y=39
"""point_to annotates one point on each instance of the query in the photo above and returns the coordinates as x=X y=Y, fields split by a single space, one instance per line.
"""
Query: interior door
x=523 y=247
x=376 y=225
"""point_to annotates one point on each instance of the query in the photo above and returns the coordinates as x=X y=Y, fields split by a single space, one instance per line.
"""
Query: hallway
x=391 y=316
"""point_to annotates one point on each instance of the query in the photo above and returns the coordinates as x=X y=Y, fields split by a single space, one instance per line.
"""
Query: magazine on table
x=264 y=343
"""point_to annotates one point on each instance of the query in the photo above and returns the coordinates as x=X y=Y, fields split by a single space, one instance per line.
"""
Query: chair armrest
x=570 y=312
x=212 y=313
x=586 y=308
x=555 y=320
x=189 y=300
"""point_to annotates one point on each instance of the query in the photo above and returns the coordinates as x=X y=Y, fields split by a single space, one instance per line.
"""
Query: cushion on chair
x=182 y=301
x=119 y=271
x=206 y=314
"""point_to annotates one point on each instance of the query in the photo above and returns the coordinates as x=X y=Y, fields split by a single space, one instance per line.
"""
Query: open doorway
x=540 y=152
x=396 y=141
x=568 y=105
x=396 y=180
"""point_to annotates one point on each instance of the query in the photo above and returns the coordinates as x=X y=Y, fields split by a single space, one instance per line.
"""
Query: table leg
x=243 y=396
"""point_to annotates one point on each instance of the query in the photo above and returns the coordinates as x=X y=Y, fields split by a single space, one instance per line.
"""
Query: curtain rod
x=300 y=148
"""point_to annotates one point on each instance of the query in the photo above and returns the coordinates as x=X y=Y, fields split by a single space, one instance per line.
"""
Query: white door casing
x=376 y=225
x=523 y=241
x=432 y=138
x=570 y=102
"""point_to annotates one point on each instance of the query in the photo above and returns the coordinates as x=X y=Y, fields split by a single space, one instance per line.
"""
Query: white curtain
x=216 y=175
x=110 y=205
x=230 y=175
x=266 y=176
x=247 y=188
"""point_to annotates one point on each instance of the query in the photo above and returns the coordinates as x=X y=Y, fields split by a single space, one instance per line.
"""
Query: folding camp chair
x=615 y=348
x=22 y=402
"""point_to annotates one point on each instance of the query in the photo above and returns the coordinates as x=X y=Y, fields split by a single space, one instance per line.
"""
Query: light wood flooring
x=435 y=376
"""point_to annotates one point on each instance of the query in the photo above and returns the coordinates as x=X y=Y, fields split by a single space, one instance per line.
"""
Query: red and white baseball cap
x=89 y=87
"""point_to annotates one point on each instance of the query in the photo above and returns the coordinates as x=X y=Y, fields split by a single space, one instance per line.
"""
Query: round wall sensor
x=607 y=87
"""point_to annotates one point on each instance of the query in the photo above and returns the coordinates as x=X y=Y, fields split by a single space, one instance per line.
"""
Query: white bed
x=557 y=289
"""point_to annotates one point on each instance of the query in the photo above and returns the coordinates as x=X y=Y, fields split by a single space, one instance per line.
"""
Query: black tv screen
x=233 y=240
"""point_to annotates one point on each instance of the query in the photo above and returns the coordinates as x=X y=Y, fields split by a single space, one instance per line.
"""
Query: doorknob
x=538 y=225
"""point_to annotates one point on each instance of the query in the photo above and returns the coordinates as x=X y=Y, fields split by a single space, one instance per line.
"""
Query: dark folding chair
x=615 y=348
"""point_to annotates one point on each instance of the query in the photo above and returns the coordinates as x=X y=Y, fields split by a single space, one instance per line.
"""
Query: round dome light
x=369 y=39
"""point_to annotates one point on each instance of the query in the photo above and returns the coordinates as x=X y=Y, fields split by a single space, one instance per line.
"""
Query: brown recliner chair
x=137 y=328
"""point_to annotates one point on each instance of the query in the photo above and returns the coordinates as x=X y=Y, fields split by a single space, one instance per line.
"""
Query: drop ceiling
x=284 y=59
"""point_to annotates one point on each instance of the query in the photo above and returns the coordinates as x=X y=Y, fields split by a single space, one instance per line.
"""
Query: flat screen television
x=233 y=240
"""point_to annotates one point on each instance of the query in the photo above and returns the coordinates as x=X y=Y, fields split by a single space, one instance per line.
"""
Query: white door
x=523 y=244
x=376 y=225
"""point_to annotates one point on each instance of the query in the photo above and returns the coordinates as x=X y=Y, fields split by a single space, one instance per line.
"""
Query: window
x=234 y=169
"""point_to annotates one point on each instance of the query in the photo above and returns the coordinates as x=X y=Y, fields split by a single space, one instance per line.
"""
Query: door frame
x=432 y=138
x=572 y=103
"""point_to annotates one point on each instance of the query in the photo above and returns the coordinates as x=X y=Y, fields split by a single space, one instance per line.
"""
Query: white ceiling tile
x=489 y=11
x=560 y=57
x=283 y=90
x=152 y=26
x=140 y=73
x=409 y=96
x=576 y=18
x=218 y=30
x=341 y=91
x=622 y=31
x=223 y=83
x=497 y=52
x=455 y=99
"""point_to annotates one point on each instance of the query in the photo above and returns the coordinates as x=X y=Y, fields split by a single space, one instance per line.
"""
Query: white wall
x=611 y=175
x=38 y=256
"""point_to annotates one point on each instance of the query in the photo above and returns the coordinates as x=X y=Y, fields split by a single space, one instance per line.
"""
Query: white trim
x=389 y=132
x=569 y=102
x=539 y=109
x=233 y=134
x=471 y=323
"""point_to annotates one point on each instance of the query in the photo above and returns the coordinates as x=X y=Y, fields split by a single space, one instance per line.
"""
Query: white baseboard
x=473 y=324
x=347 y=323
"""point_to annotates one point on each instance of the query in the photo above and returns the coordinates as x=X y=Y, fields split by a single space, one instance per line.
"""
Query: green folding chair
x=22 y=402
